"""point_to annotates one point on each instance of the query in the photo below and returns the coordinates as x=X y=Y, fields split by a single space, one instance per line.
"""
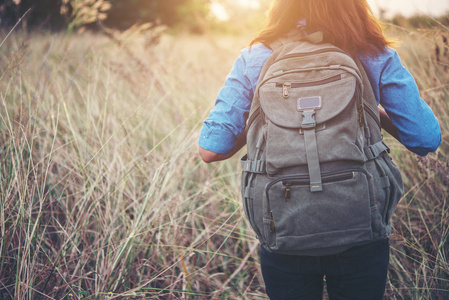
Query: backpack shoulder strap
x=255 y=103
x=369 y=99
x=368 y=93
x=376 y=144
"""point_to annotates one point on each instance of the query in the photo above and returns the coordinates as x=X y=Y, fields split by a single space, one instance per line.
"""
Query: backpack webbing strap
x=250 y=192
x=373 y=151
x=313 y=162
x=253 y=166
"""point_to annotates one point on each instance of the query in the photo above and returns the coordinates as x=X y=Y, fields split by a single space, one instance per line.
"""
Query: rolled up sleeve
x=226 y=121
x=418 y=128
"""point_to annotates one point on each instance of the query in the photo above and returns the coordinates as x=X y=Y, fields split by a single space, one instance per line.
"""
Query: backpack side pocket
x=388 y=183
x=396 y=188
x=248 y=195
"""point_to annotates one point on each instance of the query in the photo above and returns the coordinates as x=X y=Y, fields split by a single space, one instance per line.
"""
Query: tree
x=121 y=14
x=43 y=13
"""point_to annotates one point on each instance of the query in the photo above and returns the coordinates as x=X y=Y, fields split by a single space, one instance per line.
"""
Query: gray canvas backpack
x=317 y=175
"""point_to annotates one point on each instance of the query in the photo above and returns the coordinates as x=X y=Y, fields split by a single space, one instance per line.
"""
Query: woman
x=359 y=272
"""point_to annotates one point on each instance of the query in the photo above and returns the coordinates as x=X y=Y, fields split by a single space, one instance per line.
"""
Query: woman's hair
x=348 y=24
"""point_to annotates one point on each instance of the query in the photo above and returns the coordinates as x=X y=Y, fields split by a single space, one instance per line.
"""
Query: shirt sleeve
x=227 y=120
x=417 y=125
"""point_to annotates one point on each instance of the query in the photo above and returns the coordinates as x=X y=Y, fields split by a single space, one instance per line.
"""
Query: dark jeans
x=357 y=273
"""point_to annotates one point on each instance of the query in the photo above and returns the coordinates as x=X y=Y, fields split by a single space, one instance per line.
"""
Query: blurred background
x=195 y=16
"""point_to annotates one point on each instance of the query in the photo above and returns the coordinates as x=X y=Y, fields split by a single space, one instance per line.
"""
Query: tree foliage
x=43 y=13
x=120 y=14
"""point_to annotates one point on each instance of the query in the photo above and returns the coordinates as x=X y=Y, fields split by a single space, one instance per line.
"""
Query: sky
x=391 y=7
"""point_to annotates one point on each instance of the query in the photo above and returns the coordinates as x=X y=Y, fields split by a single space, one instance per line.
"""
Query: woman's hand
x=387 y=124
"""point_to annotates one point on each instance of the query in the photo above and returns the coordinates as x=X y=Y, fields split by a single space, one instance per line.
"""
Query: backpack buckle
x=308 y=120
x=373 y=151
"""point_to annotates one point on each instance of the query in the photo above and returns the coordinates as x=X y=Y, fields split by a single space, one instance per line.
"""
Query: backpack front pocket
x=296 y=219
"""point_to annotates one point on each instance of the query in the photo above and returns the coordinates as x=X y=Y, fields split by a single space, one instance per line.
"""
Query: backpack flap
x=293 y=129
x=283 y=102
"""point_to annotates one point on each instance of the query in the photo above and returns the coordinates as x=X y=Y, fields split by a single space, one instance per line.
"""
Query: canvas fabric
x=317 y=174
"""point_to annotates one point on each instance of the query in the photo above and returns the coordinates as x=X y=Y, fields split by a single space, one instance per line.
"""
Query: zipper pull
x=285 y=87
x=272 y=222
x=287 y=190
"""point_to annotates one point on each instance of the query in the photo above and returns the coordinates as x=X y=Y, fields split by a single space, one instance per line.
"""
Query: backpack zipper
x=297 y=55
x=285 y=86
x=271 y=221
x=305 y=181
x=293 y=180
x=288 y=186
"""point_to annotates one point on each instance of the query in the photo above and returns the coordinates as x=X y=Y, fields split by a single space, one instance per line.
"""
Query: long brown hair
x=348 y=24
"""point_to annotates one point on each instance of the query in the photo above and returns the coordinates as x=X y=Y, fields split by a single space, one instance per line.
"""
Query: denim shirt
x=393 y=86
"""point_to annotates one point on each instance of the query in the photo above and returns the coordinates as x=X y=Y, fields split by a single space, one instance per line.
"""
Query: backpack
x=317 y=175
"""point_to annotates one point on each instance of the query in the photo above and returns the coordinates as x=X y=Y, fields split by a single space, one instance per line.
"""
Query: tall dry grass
x=102 y=191
x=103 y=195
x=419 y=264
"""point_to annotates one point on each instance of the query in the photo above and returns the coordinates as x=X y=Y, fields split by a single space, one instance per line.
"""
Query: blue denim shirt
x=393 y=86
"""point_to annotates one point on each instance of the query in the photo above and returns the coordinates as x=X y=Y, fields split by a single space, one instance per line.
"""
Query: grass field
x=103 y=195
